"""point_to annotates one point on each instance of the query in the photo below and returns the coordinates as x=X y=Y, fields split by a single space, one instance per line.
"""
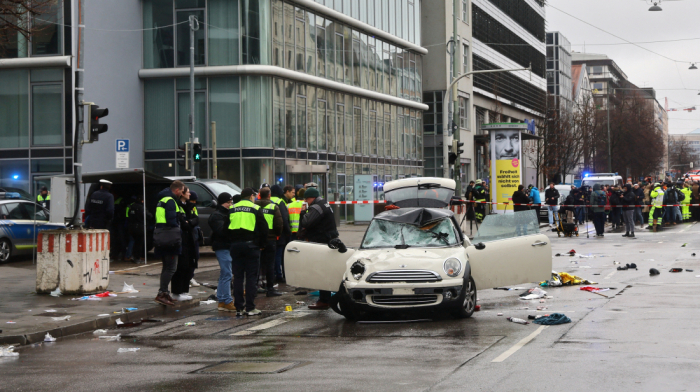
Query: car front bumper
x=405 y=296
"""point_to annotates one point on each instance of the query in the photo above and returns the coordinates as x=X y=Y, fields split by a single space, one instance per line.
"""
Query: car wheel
x=5 y=250
x=342 y=304
x=467 y=300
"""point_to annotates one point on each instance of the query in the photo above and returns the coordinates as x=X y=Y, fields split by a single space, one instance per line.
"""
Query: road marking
x=610 y=275
x=519 y=345
x=267 y=325
x=141 y=266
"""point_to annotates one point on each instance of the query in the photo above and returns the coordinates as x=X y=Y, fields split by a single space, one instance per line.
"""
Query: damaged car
x=414 y=256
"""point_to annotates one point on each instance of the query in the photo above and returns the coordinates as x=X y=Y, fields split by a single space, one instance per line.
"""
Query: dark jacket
x=277 y=191
x=521 y=198
x=100 y=209
x=135 y=222
x=276 y=221
x=189 y=224
x=219 y=222
x=318 y=222
x=172 y=219
x=479 y=193
x=551 y=196
x=467 y=194
x=569 y=202
x=629 y=198
x=639 y=194
x=258 y=236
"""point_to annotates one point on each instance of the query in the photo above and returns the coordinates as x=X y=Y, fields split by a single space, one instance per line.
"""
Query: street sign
x=122 y=153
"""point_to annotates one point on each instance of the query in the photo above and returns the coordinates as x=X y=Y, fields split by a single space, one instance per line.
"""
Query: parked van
x=590 y=179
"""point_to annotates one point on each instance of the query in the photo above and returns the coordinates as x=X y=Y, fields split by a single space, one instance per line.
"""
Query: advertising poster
x=363 y=191
x=506 y=161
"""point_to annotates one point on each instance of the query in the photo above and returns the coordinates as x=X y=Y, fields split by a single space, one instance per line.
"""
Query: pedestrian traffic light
x=197 y=152
x=456 y=147
x=95 y=114
x=183 y=156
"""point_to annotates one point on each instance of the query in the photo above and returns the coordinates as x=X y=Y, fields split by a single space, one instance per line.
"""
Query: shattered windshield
x=387 y=234
x=501 y=226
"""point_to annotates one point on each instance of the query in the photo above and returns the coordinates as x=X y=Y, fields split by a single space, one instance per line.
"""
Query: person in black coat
x=190 y=248
x=100 y=208
x=136 y=227
x=629 y=198
x=521 y=219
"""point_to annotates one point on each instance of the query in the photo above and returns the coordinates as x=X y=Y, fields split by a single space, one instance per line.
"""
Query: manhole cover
x=251 y=367
x=53 y=314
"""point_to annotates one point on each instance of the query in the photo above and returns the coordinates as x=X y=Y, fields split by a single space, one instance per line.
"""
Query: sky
x=631 y=21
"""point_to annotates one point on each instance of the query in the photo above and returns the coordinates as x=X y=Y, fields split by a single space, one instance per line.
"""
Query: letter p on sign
x=122 y=145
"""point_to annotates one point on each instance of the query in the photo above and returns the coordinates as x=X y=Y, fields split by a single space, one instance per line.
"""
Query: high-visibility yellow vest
x=269 y=212
x=128 y=208
x=160 y=209
x=278 y=200
x=243 y=215
x=295 y=214
x=688 y=194
x=194 y=211
x=41 y=198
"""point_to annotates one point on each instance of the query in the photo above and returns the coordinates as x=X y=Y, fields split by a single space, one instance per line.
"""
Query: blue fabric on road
x=553 y=319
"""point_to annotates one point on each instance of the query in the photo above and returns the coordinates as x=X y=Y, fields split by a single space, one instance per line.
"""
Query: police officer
x=273 y=217
x=44 y=198
x=249 y=231
x=656 y=212
x=295 y=213
x=101 y=207
x=318 y=225
x=279 y=198
x=684 y=187
x=169 y=214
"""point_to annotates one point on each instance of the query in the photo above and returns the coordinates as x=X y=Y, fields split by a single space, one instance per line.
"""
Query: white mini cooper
x=416 y=256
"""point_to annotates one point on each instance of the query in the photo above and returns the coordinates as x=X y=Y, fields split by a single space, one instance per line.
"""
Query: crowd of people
x=646 y=203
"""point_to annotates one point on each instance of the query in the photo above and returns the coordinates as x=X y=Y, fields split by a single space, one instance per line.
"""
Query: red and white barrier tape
x=520 y=204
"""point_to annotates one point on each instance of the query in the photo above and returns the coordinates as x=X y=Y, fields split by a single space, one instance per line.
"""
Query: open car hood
x=415 y=216
x=430 y=192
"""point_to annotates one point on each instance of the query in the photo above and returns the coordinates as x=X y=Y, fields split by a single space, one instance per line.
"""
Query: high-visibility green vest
x=194 y=211
x=277 y=200
x=295 y=214
x=128 y=208
x=160 y=209
x=688 y=194
x=269 y=212
x=41 y=198
x=243 y=215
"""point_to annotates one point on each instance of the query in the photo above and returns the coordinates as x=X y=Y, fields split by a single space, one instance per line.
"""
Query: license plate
x=403 y=291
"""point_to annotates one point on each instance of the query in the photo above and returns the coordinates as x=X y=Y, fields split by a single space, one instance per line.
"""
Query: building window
x=159 y=114
x=14 y=108
x=46 y=114
x=465 y=11
x=224 y=43
x=463 y=113
x=465 y=58
x=46 y=40
x=183 y=37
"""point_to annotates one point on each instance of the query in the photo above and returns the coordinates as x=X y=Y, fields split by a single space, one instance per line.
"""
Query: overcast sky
x=631 y=20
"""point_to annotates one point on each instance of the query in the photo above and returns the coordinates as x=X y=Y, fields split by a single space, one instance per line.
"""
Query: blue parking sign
x=122 y=145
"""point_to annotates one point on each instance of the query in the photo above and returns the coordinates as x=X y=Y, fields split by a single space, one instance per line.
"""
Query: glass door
x=342 y=196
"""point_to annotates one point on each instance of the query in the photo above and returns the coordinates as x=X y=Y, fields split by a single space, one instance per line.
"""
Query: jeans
x=638 y=215
x=223 y=290
x=580 y=214
x=245 y=264
x=629 y=221
x=599 y=222
x=553 y=213
x=130 y=247
x=279 y=260
x=267 y=263
x=676 y=215
x=166 y=274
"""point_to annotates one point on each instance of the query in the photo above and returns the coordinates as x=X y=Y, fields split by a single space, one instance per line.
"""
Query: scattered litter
x=594 y=289
x=108 y=338
x=104 y=295
x=558 y=254
x=11 y=322
x=50 y=310
x=132 y=296
x=554 y=282
x=584 y=266
x=653 y=271
x=49 y=338
x=201 y=292
x=596 y=274
x=568 y=279
x=302 y=303
x=553 y=319
x=616 y=262
x=130 y=309
x=128 y=350
x=499 y=314
x=542 y=301
x=103 y=315
x=301 y=293
x=56 y=293
x=208 y=302
x=287 y=308
x=586 y=257
x=571 y=252
x=688 y=270
x=129 y=288
x=684 y=245
x=627 y=266
x=693 y=254
x=526 y=308
x=99 y=331
x=676 y=270
x=535 y=317
x=111 y=272
x=8 y=352
x=517 y=320
x=64 y=318
x=697 y=276
x=541 y=307
x=190 y=323
x=533 y=293
x=477 y=308
x=119 y=321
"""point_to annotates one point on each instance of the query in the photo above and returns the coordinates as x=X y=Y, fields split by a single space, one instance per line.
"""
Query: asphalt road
x=639 y=336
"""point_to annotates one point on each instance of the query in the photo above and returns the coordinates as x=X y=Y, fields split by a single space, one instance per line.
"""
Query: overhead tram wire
x=110 y=30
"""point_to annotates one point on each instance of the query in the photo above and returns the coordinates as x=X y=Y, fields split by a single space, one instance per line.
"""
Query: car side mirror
x=213 y=204
x=480 y=246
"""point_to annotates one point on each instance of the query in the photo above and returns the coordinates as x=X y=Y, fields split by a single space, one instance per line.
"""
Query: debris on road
x=688 y=270
x=594 y=289
x=586 y=256
x=50 y=310
x=119 y=321
x=48 y=338
x=301 y=303
x=128 y=289
x=128 y=350
x=499 y=314
x=99 y=331
x=58 y=293
x=8 y=352
x=653 y=271
x=517 y=320
x=533 y=293
x=627 y=267
x=190 y=324
x=676 y=270
x=109 y=338
x=207 y=302
x=64 y=318
x=553 y=319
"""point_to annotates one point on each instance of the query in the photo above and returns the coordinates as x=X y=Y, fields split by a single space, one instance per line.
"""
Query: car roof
x=415 y=216
x=415 y=181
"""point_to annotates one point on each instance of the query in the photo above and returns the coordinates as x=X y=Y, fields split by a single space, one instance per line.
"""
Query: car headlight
x=357 y=269
x=452 y=267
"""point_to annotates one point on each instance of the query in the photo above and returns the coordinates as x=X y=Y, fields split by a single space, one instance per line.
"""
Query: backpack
x=680 y=196
x=602 y=199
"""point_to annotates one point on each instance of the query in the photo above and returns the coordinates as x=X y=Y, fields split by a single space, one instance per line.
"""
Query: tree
x=18 y=21
x=681 y=153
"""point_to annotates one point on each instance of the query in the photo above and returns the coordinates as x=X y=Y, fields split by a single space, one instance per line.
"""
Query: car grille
x=412 y=276
x=404 y=300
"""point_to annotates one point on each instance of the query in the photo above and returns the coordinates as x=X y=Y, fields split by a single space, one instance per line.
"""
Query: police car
x=20 y=223
x=415 y=256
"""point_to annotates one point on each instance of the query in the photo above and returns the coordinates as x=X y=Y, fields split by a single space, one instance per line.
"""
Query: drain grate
x=248 y=367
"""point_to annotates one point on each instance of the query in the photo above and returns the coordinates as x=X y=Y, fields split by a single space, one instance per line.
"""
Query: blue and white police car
x=20 y=223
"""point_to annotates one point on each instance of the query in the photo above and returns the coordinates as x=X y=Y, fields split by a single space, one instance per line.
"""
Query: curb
x=101 y=323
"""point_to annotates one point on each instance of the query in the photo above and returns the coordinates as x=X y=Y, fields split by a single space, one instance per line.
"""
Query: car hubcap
x=4 y=251
x=469 y=297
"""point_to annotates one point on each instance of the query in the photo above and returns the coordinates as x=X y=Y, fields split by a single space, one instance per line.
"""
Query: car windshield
x=387 y=234
x=501 y=226
x=423 y=195
x=599 y=182
x=223 y=186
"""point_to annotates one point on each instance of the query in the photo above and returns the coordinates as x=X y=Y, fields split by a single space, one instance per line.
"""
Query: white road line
x=141 y=266
x=610 y=275
x=519 y=345
x=267 y=325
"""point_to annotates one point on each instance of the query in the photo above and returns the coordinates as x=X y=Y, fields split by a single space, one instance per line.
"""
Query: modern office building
x=559 y=86
x=604 y=75
x=300 y=90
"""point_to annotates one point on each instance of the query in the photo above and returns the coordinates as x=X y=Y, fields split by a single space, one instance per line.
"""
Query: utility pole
x=213 y=150
x=455 y=101
x=609 y=141
x=194 y=26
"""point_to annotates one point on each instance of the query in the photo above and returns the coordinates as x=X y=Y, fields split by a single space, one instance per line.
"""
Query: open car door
x=315 y=266
x=514 y=251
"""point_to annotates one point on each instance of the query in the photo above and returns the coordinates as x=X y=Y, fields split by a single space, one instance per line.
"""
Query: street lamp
x=692 y=66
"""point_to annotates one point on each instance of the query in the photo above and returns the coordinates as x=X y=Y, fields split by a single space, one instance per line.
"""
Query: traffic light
x=95 y=114
x=457 y=145
x=197 y=152
x=455 y=152
x=183 y=156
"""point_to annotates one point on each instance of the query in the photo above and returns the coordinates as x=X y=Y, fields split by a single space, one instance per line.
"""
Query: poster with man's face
x=505 y=166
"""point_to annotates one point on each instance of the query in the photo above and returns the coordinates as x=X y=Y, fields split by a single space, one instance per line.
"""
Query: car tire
x=467 y=300
x=5 y=250
x=343 y=305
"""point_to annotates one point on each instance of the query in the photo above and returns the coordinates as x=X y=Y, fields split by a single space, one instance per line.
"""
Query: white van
x=590 y=179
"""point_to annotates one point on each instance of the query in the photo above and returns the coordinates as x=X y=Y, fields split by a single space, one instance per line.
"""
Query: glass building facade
x=348 y=99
